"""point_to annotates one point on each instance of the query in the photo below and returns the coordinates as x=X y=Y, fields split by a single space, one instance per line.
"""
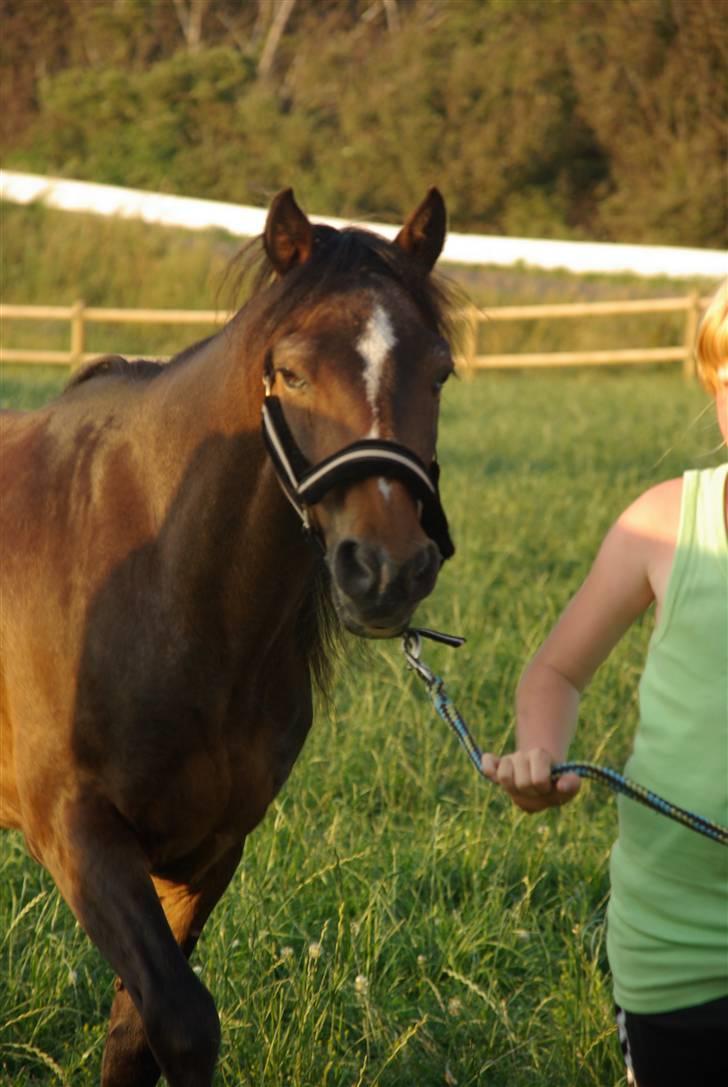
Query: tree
x=191 y=14
x=281 y=13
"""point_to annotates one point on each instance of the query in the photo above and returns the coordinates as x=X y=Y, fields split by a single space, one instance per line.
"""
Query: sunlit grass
x=395 y=922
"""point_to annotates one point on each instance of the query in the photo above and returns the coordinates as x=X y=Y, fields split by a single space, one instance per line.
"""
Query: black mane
x=341 y=257
x=114 y=366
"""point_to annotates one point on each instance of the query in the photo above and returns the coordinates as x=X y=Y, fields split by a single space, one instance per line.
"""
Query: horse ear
x=288 y=235
x=423 y=234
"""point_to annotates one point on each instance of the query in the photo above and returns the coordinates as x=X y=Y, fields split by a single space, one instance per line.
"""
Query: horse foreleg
x=128 y=1060
x=102 y=873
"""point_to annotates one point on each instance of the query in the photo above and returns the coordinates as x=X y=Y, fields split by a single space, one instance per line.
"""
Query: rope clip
x=412 y=648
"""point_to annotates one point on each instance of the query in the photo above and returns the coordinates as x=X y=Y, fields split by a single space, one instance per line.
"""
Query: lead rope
x=446 y=709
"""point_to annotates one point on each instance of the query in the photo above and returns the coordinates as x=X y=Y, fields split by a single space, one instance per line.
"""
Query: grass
x=395 y=922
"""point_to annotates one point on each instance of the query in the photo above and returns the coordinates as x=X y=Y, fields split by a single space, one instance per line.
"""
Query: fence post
x=692 y=318
x=78 y=333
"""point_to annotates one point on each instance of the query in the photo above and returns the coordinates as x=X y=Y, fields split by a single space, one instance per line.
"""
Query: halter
x=305 y=484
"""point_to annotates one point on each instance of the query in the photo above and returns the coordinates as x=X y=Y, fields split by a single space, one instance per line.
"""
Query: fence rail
x=79 y=316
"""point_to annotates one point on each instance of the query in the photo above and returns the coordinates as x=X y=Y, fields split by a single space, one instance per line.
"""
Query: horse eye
x=291 y=380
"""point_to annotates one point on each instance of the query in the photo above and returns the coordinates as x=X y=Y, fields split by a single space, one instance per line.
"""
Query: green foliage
x=394 y=920
x=650 y=78
x=172 y=126
x=576 y=118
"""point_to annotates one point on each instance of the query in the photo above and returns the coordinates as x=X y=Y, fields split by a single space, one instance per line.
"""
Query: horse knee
x=183 y=1030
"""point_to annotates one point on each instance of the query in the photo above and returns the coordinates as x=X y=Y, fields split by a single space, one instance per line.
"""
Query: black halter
x=305 y=484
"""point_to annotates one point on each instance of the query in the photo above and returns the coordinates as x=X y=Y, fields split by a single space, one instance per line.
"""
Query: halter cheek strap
x=305 y=484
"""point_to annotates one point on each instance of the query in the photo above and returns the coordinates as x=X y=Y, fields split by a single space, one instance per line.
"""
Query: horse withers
x=170 y=569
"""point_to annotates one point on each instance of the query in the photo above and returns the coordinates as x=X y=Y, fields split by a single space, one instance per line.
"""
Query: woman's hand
x=526 y=777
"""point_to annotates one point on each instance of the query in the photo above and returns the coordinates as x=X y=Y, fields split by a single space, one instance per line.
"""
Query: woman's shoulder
x=652 y=524
x=656 y=513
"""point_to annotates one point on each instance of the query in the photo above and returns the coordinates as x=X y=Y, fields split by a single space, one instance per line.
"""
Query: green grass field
x=395 y=922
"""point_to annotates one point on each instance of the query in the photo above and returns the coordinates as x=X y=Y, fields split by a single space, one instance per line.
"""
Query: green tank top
x=667 y=921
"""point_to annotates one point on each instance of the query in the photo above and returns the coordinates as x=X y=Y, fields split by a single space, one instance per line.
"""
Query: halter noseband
x=305 y=484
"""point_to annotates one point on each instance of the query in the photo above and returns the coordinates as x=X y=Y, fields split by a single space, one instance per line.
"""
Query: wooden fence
x=79 y=316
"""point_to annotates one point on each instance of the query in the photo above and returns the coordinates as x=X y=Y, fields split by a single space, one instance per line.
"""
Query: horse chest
x=192 y=774
x=265 y=736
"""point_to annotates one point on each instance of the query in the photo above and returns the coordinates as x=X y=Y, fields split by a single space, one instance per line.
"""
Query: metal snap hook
x=411 y=643
x=411 y=647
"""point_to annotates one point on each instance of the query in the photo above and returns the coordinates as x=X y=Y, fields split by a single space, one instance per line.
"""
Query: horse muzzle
x=375 y=595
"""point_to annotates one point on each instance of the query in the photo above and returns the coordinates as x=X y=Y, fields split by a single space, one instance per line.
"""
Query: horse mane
x=352 y=256
x=114 y=366
x=340 y=258
x=319 y=631
x=131 y=369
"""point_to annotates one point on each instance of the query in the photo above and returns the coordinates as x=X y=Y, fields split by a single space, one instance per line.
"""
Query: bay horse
x=168 y=565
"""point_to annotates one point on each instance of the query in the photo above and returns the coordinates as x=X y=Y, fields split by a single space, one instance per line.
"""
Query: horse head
x=353 y=373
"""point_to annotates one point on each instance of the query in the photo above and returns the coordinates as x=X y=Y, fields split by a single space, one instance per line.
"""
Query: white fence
x=670 y=261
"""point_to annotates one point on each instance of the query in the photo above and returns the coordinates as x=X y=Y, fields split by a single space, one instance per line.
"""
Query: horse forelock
x=341 y=259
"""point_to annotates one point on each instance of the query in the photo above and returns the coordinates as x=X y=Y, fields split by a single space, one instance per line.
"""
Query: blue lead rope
x=446 y=709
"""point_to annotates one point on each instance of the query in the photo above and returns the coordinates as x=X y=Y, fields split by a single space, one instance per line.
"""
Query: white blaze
x=374 y=346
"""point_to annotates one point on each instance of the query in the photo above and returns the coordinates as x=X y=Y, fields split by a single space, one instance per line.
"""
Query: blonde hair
x=711 y=349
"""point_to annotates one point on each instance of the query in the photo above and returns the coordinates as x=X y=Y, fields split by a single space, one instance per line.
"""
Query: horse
x=181 y=542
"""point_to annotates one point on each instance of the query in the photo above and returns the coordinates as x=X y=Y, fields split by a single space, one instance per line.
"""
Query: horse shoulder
x=73 y=505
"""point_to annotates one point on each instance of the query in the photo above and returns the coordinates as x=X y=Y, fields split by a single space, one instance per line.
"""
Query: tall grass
x=395 y=922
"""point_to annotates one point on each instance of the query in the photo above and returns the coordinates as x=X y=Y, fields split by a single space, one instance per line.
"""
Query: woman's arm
x=618 y=588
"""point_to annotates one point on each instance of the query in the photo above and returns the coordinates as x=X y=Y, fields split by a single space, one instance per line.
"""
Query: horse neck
x=212 y=391
x=212 y=388
x=223 y=521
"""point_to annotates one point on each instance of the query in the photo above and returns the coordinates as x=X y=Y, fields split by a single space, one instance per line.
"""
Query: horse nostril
x=356 y=568
x=422 y=569
x=369 y=578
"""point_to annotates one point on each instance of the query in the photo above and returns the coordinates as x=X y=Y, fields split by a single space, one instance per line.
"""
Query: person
x=667 y=918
